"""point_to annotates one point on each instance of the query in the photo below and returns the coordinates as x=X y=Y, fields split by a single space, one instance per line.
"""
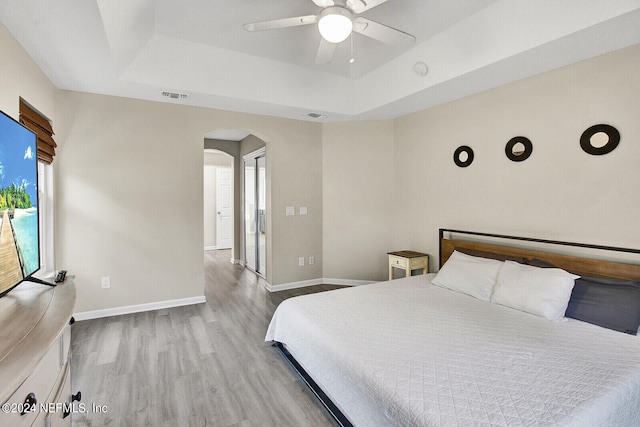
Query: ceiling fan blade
x=324 y=3
x=382 y=33
x=359 y=6
x=281 y=23
x=325 y=52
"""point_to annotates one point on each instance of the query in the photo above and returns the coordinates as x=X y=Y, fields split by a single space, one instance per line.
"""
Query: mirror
x=600 y=139
x=463 y=156
x=518 y=149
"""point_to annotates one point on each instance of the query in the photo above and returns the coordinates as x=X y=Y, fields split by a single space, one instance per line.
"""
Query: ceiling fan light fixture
x=335 y=24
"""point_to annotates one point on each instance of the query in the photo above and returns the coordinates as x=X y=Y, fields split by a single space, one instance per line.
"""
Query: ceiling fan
x=336 y=21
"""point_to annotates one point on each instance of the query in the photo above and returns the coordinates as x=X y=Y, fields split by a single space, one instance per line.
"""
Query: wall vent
x=175 y=95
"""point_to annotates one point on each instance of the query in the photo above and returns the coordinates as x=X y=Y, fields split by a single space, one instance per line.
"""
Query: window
x=45 y=216
x=46 y=148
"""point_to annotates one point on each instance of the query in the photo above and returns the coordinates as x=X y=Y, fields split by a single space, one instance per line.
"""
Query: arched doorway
x=251 y=216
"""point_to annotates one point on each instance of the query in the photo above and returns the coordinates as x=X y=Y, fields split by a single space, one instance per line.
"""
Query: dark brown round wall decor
x=613 y=141
x=516 y=154
x=460 y=150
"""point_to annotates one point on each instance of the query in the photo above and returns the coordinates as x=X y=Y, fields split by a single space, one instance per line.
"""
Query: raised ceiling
x=197 y=53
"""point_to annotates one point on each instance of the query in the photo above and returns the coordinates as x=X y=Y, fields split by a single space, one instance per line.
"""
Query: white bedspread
x=413 y=354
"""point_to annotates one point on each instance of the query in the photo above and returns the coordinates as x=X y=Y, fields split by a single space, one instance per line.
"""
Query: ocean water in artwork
x=25 y=225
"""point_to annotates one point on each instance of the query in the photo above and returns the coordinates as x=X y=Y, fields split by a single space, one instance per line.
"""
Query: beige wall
x=21 y=77
x=560 y=192
x=358 y=199
x=294 y=178
x=129 y=200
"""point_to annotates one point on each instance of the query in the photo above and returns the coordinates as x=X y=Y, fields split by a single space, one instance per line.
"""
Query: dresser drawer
x=65 y=344
x=40 y=382
x=60 y=414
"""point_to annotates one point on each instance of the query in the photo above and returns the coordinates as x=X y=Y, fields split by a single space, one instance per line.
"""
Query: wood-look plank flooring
x=198 y=365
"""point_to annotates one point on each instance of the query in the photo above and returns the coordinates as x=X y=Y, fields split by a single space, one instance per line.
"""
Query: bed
x=428 y=351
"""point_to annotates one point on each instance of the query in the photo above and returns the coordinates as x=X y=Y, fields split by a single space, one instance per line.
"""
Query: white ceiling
x=197 y=48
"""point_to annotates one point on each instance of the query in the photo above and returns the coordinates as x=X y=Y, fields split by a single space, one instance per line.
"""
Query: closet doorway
x=255 y=211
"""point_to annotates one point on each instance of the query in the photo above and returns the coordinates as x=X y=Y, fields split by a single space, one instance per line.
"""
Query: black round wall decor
x=459 y=151
x=612 y=143
x=518 y=156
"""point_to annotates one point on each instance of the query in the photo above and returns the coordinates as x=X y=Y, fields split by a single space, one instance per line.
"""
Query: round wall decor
x=518 y=149
x=458 y=156
x=613 y=139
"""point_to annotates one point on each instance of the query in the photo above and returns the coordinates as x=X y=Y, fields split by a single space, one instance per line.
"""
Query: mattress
x=409 y=353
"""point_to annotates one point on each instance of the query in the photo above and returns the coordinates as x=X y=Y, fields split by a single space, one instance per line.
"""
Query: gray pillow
x=610 y=303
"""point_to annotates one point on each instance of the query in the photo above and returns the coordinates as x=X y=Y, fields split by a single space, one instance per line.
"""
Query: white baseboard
x=347 y=282
x=214 y=248
x=313 y=282
x=138 y=308
x=292 y=285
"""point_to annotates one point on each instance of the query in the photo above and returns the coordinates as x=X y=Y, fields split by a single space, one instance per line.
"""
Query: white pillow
x=468 y=274
x=541 y=291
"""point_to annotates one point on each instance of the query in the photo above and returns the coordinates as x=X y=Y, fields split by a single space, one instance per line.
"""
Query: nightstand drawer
x=398 y=262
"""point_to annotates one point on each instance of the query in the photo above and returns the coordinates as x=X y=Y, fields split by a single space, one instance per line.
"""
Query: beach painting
x=19 y=249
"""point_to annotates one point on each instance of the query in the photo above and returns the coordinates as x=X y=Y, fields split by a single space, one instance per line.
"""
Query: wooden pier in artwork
x=11 y=271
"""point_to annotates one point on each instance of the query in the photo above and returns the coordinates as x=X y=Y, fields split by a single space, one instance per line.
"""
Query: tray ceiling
x=197 y=53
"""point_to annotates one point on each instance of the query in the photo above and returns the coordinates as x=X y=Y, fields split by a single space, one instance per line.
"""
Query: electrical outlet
x=301 y=261
x=312 y=260
x=106 y=282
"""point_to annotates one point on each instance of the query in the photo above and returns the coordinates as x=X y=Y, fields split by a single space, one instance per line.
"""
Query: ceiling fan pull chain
x=351 y=60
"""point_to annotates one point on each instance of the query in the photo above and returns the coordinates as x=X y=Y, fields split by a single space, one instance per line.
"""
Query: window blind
x=46 y=146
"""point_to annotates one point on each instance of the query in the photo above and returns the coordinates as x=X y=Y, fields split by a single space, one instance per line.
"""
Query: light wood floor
x=199 y=365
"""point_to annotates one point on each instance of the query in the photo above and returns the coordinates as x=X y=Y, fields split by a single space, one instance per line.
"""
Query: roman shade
x=42 y=128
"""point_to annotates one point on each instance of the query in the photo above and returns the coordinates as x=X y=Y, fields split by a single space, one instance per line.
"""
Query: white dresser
x=35 y=357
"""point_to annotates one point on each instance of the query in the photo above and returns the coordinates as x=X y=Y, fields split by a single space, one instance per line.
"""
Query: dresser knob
x=29 y=403
x=76 y=397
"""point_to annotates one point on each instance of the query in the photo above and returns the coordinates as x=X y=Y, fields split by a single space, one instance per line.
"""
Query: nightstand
x=408 y=261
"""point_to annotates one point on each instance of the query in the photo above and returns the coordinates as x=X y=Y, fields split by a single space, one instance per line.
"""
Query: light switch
x=290 y=211
x=303 y=210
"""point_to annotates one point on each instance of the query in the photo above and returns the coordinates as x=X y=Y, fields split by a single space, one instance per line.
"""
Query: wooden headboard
x=574 y=264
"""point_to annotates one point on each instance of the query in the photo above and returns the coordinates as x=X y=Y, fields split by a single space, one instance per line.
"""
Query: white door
x=224 y=208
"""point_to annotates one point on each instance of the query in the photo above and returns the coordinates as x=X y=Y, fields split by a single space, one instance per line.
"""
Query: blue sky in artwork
x=18 y=163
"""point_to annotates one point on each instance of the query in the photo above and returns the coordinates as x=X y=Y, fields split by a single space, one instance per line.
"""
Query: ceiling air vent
x=175 y=95
x=316 y=115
